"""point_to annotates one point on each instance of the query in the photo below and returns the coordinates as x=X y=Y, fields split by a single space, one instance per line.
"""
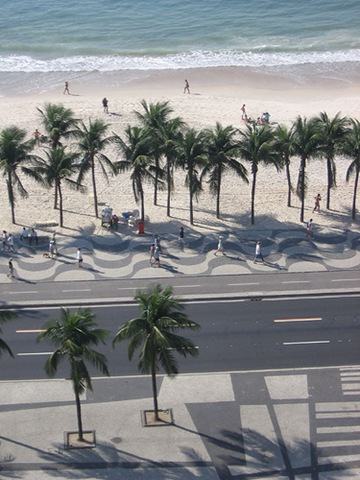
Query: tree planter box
x=71 y=439
x=148 y=418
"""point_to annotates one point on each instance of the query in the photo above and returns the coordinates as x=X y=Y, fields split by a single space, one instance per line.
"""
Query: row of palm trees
x=162 y=143
x=153 y=332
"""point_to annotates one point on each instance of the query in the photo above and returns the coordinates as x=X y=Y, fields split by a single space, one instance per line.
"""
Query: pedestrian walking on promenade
x=157 y=256
x=79 y=257
x=34 y=237
x=4 y=240
x=258 y=254
x=23 y=234
x=52 y=248
x=220 y=246
x=309 y=229
x=10 y=243
x=152 y=250
x=11 y=273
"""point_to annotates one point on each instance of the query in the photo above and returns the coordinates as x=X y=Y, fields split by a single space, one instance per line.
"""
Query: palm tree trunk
x=141 y=191
x=154 y=389
x=60 y=205
x=302 y=189
x=253 y=199
x=11 y=197
x=94 y=187
x=218 y=194
x=156 y=181
x=79 y=420
x=55 y=197
x=191 y=197
x=329 y=183
x=353 y=213
x=289 y=184
x=168 y=178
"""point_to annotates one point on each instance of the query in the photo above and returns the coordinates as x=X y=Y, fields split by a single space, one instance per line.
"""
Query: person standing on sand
x=317 y=203
x=309 y=229
x=187 y=87
x=105 y=103
x=243 y=115
x=66 y=89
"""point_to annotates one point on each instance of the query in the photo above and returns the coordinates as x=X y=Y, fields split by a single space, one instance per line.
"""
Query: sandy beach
x=217 y=95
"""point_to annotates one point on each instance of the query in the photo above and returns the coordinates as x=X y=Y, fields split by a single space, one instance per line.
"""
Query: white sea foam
x=196 y=59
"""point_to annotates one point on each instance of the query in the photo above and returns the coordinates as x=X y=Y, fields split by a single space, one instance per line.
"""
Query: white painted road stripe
x=31 y=331
x=346 y=280
x=79 y=290
x=20 y=292
x=309 y=319
x=129 y=288
x=306 y=343
x=33 y=353
x=297 y=281
x=186 y=286
x=236 y=284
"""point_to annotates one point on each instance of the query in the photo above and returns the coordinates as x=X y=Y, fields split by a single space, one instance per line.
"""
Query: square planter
x=71 y=440
x=165 y=418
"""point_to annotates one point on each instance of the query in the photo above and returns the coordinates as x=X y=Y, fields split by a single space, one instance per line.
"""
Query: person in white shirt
x=220 y=247
x=309 y=228
x=258 y=254
x=79 y=257
x=10 y=243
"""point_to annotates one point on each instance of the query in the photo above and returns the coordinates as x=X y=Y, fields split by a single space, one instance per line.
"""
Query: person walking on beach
x=243 y=114
x=309 y=229
x=220 y=246
x=258 y=254
x=11 y=273
x=37 y=136
x=79 y=257
x=105 y=103
x=317 y=203
x=187 y=87
x=66 y=89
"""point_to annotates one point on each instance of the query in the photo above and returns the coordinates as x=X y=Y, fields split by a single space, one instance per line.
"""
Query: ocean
x=112 y=35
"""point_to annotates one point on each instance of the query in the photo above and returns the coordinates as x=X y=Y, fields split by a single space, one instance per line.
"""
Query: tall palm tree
x=332 y=132
x=153 y=332
x=91 y=141
x=222 y=152
x=15 y=151
x=256 y=146
x=73 y=336
x=351 y=148
x=170 y=135
x=55 y=169
x=59 y=122
x=192 y=157
x=153 y=117
x=283 y=144
x=5 y=317
x=306 y=145
x=136 y=149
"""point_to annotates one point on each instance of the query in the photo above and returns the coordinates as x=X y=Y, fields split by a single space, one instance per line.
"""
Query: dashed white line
x=39 y=330
x=289 y=320
x=346 y=280
x=236 y=284
x=23 y=292
x=129 y=288
x=186 y=286
x=28 y=354
x=77 y=290
x=297 y=281
x=311 y=342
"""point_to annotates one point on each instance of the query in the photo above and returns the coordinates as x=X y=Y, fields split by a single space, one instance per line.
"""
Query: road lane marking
x=39 y=330
x=311 y=342
x=79 y=290
x=346 y=280
x=297 y=281
x=236 y=284
x=27 y=354
x=23 y=291
x=186 y=286
x=129 y=288
x=289 y=320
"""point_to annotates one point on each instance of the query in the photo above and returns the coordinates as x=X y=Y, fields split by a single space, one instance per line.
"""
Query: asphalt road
x=235 y=335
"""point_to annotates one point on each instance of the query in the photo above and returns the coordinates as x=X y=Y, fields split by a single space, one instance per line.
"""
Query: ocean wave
x=196 y=59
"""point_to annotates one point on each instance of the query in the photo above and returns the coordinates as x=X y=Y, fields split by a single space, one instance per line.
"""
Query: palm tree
x=55 y=169
x=170 y=135
x=73 y=336
x=5 y=316
x=59 y=122
x=306 y=146
x=135 y=147
x=14 y=152
x=153 y=333
x=192 y=156
x=331 y=134
x=283 y=144
x=256 y=146
x=222 y=152
x=351 y=148
x=153 y=118
x=92 y=140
